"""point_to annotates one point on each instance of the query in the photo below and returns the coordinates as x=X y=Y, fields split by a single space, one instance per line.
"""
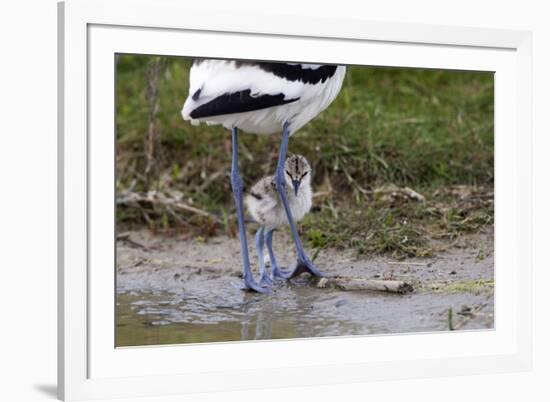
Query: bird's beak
x=296 y=185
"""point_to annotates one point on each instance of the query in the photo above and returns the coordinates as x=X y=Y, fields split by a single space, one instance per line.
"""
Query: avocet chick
x=265 y=206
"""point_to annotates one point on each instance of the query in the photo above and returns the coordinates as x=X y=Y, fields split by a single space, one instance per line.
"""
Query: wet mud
x=171 y=290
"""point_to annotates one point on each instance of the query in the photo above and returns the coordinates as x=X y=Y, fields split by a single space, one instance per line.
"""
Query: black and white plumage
x=260 y=97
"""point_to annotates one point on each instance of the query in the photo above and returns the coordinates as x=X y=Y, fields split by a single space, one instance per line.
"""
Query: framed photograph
x=254 y=201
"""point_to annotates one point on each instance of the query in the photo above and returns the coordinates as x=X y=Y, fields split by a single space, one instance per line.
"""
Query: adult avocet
x=261 y=98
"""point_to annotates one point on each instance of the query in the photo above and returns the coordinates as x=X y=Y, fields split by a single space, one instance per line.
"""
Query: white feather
x=217 y=77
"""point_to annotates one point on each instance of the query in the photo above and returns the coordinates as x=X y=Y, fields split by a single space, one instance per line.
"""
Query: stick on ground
x=350 y=283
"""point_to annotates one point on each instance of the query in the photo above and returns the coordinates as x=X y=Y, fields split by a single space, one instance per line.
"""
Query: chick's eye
x=288 y=173
x=304 y=175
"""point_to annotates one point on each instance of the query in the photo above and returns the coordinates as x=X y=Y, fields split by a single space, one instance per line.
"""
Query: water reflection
x=263 y=326
x=155 y=318
x=221 y=314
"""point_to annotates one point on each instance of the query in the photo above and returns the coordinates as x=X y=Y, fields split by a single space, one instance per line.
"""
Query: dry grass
x=431 y=131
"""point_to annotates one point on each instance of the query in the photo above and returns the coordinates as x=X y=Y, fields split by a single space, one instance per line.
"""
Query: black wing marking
x=238 y=102
x=294 y=72
x=290 y=72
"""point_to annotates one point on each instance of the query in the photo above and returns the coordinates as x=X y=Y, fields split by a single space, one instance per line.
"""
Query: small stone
x=322 y=283
x=465 y=310
x=340 y=303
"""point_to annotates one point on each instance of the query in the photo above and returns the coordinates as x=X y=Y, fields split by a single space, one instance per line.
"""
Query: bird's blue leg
x=237 y=186
x=303 y=264
x=265 y=280
x=276 y=272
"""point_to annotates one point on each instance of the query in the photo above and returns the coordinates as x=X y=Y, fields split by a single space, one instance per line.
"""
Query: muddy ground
x=173 y=290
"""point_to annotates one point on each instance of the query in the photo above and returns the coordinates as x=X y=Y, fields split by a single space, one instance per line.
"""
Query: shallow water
x=171 y=293
x=167 y=318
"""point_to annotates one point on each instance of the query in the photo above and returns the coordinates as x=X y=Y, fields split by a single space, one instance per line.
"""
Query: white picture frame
x=90 y=32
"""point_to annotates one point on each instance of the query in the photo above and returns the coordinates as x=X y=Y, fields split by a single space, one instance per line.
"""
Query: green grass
x=468 y=286
x=425 y=129
x=403 y=228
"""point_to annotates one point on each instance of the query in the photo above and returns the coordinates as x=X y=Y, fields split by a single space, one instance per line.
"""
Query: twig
x=210 y=179
x=419 y=264
x=320 y=194
x=145 y=216
x=351 y=283
x=194 y=210
x=160 y=199
x=175 y=216
x=471 y=315
x=354 y=182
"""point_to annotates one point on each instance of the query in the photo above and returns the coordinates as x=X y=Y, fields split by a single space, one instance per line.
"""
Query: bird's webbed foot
x=279 y=273
x=265 y=280
x=304 y=264
x=250 y=285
